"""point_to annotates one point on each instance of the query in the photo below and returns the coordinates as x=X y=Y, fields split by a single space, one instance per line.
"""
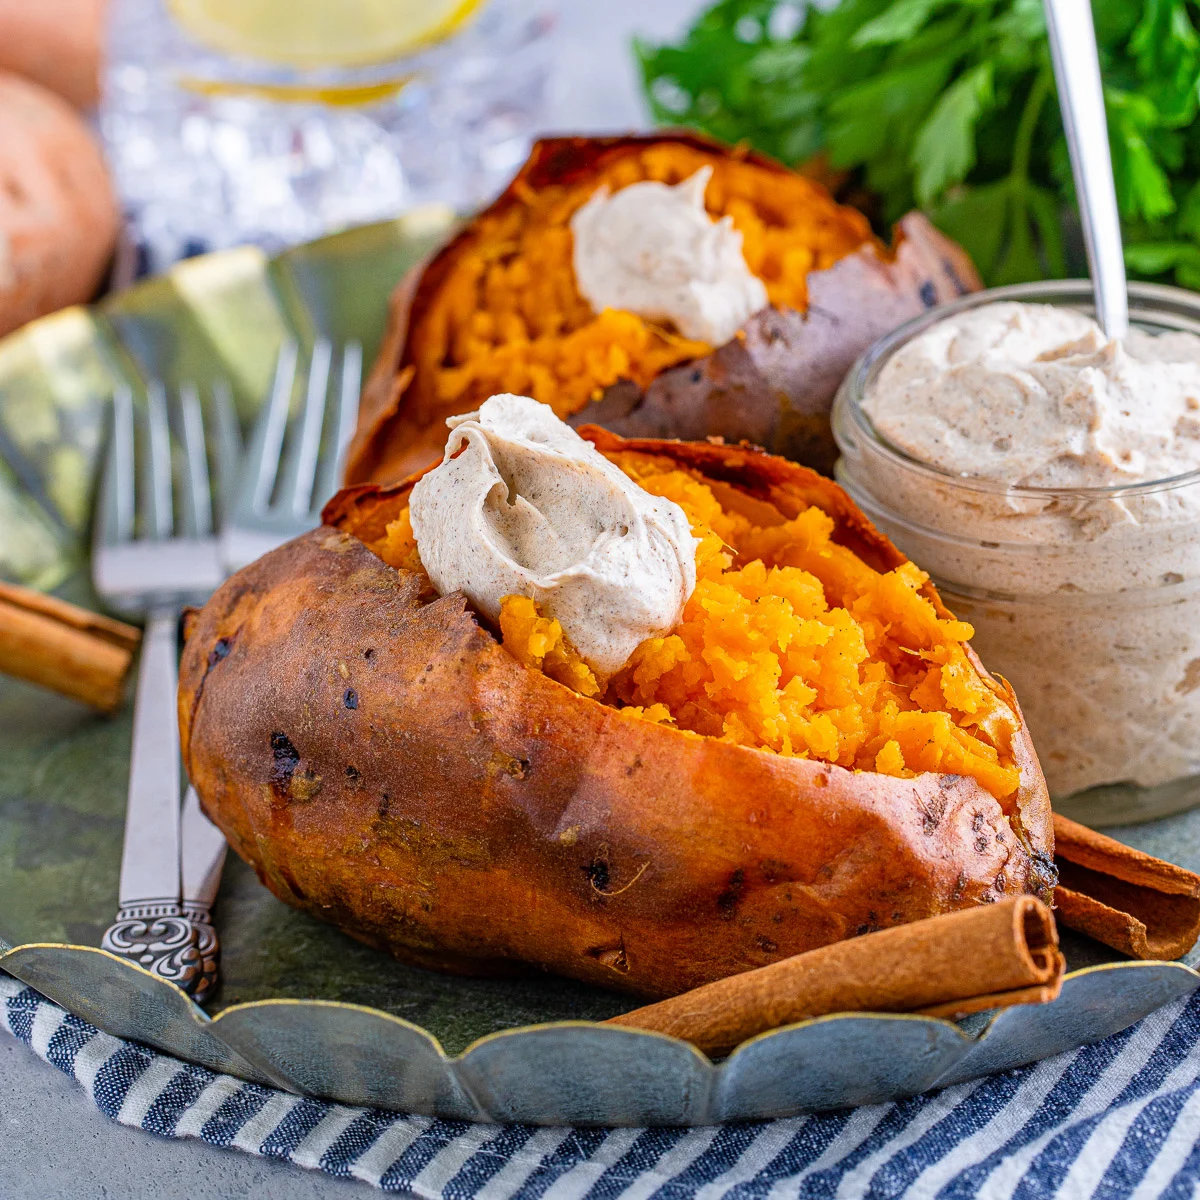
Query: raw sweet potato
x=498 y=310
x=58 y=213
x=56 y=43
x=385 y=763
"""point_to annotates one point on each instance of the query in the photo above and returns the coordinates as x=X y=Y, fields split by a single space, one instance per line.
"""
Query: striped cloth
x=1117 y=1119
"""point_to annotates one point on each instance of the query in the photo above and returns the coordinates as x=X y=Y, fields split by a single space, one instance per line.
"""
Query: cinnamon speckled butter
x=652 y=249
x=522 y=505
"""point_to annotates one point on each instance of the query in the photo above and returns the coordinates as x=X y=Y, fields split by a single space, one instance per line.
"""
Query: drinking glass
x=275 y=121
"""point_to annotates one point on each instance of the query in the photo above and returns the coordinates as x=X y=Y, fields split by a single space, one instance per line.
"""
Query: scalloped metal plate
x=582 y=1073
x=326 y=1016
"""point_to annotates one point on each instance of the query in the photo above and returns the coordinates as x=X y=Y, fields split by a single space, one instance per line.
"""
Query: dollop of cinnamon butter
x=522 y=505
x=1036 y=395
x=652 y=249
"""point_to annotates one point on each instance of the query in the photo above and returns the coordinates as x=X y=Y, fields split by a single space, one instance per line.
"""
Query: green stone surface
x=220 y=318
x=63 y=771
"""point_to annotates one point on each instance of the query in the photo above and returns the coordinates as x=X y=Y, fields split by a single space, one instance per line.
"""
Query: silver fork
x=291 y=469
x=294 y=463
x=153 y=553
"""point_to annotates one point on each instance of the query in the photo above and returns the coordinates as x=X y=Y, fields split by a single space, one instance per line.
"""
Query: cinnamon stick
x=65 y=648
x=947 y=966
x=1120 y=896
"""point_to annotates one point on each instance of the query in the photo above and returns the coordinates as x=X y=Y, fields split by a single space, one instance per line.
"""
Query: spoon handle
x=1077 y=70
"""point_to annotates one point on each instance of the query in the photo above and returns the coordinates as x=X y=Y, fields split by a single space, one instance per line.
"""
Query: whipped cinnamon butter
x=1033 y=467
x=653 y=249
x=1036 y=396
x=522 y=505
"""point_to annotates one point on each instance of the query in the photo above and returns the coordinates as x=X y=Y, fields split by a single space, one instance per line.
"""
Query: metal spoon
x=1077 y=70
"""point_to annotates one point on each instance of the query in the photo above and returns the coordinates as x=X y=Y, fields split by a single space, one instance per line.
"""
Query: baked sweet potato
x=498 y=310
x=384 y=762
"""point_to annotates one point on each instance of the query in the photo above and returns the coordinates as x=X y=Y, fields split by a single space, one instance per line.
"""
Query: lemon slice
x=321 y=33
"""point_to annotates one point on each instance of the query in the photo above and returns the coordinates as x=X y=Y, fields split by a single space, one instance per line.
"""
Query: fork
x=284 y=482
x=294 y=464
x=151 y=557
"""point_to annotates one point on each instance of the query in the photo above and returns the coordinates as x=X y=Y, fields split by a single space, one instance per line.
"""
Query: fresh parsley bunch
x=950 y=105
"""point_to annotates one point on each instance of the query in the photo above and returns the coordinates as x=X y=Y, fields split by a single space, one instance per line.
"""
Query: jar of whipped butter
x=1048 y=480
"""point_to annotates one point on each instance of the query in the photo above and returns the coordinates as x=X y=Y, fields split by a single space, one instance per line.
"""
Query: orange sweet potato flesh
x=772 y=385
x=382 y=762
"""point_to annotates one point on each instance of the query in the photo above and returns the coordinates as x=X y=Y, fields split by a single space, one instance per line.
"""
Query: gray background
x=53 y=1142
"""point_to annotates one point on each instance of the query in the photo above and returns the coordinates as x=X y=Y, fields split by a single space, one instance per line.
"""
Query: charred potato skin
x=773 y=385
x=384 y=764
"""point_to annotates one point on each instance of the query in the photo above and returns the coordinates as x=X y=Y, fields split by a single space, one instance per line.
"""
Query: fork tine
x=117 y=490
x=155 y=497
x=227 y=449
x=296 y=487
x=345 y=417
x=262 y=460
x=196 y=489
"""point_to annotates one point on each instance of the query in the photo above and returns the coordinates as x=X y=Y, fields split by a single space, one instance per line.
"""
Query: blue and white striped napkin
x=1117 y=1119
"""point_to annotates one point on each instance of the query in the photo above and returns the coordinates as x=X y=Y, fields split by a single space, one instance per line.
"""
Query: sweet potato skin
x=58 y=212
x=57 y=43
x=387 y=766
x=773 y=385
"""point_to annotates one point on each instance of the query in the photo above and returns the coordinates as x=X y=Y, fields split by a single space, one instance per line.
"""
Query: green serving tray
x=301 y=1005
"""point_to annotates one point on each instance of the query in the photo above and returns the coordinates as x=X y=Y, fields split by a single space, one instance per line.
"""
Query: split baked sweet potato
x=498 y=310
x=388 y=763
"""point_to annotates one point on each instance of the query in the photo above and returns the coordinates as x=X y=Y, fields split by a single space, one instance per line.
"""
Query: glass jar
x=1086 y=599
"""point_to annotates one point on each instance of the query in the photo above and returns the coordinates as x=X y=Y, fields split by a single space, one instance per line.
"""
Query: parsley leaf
x=944 y=149
x=896 y=24
x=950 y=104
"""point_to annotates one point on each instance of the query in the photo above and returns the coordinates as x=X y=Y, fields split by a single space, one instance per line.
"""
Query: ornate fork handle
x=208 y=949
x=152 y=928
x=201 y=862
x=160 y=937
